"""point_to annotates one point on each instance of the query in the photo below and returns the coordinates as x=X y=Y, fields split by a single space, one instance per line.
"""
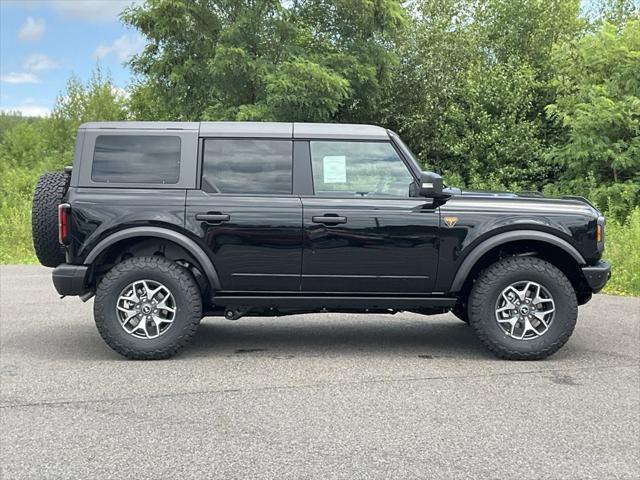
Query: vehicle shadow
x=433 y=337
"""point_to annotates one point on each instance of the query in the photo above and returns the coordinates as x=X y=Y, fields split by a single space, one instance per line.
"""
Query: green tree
x=472 y=85
x=616 y=12
x=598 y=104
x=97 y=100
x=263 y=60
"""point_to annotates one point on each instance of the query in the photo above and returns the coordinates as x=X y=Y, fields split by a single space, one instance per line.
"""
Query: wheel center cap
x=146 y=309
x=524 y=310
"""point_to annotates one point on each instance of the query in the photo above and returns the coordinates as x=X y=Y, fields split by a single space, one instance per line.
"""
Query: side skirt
x=237 y=304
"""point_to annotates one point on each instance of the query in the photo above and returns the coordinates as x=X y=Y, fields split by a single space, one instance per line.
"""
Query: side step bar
x=332 y=302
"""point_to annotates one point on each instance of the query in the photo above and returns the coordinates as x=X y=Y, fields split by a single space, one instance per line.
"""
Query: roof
x=339 y=130
x=140 y=126
x=346 y=131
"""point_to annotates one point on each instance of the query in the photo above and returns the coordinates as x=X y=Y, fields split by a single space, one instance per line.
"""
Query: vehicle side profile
x=168 y=222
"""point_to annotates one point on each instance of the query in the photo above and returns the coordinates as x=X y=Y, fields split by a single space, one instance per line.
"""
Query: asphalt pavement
x=328 y=396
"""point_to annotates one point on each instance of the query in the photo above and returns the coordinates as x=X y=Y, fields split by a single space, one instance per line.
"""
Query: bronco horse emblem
x=450 y=221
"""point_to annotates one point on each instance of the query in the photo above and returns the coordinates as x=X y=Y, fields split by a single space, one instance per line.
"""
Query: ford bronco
x=167 y=222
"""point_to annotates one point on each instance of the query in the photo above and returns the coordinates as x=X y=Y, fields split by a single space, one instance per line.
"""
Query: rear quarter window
x=136 y=159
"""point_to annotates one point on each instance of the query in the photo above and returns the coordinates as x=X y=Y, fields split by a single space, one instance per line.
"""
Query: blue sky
x=44 y=42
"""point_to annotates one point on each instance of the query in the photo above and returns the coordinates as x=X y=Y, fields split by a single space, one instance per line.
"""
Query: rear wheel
x=49 y=193
x=523 y=308
x=147 y=308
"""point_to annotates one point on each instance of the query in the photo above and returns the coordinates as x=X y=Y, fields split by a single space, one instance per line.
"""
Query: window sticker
x=334 y=169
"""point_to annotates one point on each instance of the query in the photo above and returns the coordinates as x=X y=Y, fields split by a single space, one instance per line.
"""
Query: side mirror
x=430 y=185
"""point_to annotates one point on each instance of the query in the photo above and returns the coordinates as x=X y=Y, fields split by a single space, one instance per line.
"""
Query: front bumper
x=70 y=279
x=597 y=275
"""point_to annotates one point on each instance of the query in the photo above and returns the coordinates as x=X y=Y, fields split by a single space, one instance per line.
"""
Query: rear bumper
x=70 y=279
x=597 y=275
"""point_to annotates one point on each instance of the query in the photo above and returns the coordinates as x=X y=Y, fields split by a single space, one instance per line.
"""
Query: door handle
x=212 y=218
x=329 y=219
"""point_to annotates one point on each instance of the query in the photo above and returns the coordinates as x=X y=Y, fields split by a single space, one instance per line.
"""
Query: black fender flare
x=479 y=250
x=180 y=239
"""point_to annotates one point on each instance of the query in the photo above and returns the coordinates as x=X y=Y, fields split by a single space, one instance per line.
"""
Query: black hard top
x=338 y=131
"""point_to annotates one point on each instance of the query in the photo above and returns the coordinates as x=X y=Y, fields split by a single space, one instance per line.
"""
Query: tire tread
x=49 y=193
x=485 y=283
x=188 y=286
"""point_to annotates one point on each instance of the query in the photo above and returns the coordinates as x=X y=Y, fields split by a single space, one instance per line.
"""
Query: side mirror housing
x=430 y=185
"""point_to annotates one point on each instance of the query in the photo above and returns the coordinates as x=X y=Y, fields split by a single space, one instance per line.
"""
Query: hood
x=523 y=200
x=532 y=195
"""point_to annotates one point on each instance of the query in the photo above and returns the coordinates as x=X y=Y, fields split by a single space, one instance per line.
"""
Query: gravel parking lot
x=313 y=396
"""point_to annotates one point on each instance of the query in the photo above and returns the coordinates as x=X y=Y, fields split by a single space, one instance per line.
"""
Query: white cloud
x=122 y=48
x=31 y=30
x=28 y=110
x=91 y=10
x=39 y=62
x=18 y=78
x=34 y=63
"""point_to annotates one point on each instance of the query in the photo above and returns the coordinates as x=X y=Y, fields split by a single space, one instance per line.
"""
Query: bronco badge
x=450 y=221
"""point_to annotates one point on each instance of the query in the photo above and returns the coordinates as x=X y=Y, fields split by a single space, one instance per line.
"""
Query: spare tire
x=49 y=193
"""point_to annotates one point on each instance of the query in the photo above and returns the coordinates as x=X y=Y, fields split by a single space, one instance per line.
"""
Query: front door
x=363 y=233
x=246 y=214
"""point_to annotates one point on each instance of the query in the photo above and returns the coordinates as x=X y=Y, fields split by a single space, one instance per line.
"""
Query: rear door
x=364 y=233
x=245 y=213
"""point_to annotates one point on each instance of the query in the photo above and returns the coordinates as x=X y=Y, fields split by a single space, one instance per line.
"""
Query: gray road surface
x=313 y=396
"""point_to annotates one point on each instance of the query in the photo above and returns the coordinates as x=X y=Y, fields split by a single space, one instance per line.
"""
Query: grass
x=622 y=243
x=622 y=249
x=16 y=187
x=15 y=235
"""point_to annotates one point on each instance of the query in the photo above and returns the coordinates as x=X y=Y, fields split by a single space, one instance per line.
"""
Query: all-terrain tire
x=484 y=297
x=188 y=303
x=49 y=193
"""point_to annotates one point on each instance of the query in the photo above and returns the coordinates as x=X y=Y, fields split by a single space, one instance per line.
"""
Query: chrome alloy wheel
x=525 y=310
x=146 y=309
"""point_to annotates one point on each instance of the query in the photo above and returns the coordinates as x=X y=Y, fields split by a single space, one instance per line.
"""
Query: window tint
x=358 y=169
x=136 y=159
x=247 y=166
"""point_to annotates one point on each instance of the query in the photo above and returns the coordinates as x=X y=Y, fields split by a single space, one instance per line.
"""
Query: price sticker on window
x=334 y=169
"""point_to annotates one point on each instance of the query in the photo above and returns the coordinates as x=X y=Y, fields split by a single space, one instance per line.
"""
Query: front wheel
x=523 y=308
x=147 y=308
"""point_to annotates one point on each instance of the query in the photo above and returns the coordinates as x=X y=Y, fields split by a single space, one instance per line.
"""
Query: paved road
x=313 y=396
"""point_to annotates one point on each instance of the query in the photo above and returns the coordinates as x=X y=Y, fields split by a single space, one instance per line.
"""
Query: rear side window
x=248 y=166
x=136 y=159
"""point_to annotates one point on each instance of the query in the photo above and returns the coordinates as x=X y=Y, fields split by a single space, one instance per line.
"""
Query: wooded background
x=494 y=94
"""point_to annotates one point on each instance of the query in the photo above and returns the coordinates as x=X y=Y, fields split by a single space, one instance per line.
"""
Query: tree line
x=494 y=94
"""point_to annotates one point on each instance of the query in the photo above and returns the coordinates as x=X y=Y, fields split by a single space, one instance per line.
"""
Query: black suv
x=168 y=222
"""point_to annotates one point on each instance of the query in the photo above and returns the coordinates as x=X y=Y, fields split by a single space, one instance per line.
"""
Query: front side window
x=248 y=166
x=136 y=159
x=363 y=169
